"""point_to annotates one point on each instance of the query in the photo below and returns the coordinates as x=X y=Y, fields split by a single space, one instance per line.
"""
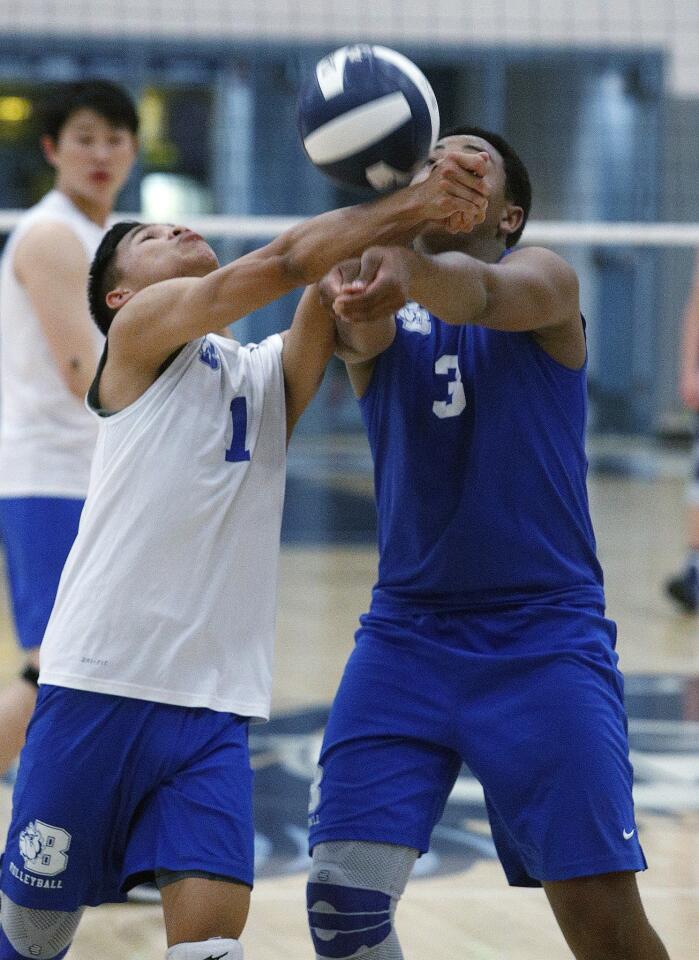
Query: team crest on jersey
x=415 y=319
x=208 y=354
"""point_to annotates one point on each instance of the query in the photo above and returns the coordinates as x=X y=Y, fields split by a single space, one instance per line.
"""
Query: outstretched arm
x=359 y=342
x=308 y=346
x=160 y=318
x=532 y=290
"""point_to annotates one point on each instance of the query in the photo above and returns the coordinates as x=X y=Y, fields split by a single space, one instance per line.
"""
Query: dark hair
x=107 y=99
x=518 y=189
x=103 y=274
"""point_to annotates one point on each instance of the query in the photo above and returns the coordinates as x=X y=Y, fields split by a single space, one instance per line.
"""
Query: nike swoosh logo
x=219 y=957
x=627 y=836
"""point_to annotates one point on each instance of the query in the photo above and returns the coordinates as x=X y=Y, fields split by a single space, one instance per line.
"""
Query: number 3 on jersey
x=457 y=396
x=237 y=451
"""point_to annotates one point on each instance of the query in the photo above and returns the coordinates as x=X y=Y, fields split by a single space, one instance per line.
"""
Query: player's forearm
x=357 y=342
x=308 y=346
x=316 y=245
x=453 y=287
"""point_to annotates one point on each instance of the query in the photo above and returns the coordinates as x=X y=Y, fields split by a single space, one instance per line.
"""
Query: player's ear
x=48 y=147
x=118 y=297
x=510 y=219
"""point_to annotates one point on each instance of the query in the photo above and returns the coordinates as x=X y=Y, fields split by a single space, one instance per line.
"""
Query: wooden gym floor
x=459 y=905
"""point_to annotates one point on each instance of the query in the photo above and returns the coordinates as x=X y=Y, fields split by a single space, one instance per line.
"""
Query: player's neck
x=97 y=212
x=486 y=249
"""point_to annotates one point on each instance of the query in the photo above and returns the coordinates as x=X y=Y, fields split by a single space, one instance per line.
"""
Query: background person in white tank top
x=49 y=350
x=158 y=651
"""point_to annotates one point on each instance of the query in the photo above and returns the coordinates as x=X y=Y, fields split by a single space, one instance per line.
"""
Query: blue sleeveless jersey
x=477 y=438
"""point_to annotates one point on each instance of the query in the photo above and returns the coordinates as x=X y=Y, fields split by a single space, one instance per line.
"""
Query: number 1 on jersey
x=239 y=415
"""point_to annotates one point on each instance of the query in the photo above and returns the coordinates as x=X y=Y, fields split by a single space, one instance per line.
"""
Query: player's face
x=434 y=238
x=162 y=251
x=92 y=158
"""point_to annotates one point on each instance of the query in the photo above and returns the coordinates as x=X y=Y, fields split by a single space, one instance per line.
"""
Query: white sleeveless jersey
x=169 y=591
x=46 y=435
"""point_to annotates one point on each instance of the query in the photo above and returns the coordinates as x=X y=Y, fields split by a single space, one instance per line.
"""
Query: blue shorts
x=530 y=699
x=37 y=533
x=109 y=789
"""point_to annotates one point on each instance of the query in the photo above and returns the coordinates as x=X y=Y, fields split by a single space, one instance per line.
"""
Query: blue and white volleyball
x=368 y=117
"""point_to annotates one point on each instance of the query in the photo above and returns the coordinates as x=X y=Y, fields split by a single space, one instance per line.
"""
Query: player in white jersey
x=49 y=353
x=158 y=652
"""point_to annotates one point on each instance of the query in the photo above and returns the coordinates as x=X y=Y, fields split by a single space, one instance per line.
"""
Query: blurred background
x=601 y=99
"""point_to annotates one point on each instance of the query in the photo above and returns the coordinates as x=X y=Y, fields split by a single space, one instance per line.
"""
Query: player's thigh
x=387 y=765
x=199 y=820
x=556 y=769
x=197 y=908
x=69 y=811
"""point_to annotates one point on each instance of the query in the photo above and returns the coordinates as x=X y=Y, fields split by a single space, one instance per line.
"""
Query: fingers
x=461 y=187
x=374 y=297
x=349 y=270
x=465 y=172
x=367 y=309
x=336 y=279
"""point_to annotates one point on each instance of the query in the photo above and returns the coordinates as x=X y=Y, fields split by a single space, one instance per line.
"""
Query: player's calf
x=215 y=948
x=352 y=893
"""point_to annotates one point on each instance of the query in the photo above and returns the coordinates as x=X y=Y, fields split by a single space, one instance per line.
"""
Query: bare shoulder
x=49 y=244
x=563 y=338
x=543 y=262
x=140 y=341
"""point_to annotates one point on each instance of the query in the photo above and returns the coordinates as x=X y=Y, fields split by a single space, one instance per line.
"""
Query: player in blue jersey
x=486 y=641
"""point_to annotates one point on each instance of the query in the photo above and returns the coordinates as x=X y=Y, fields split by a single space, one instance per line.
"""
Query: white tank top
x=169 y=592
x=46 y=435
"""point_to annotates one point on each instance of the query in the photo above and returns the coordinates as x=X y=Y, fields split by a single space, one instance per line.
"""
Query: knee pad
x=352 y=893
x=217 y=948
x=46 y=934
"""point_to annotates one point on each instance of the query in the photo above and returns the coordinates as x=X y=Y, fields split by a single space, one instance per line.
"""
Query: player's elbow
x=296 y=269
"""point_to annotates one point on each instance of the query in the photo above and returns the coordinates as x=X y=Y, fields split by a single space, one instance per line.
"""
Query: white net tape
x=543 y=232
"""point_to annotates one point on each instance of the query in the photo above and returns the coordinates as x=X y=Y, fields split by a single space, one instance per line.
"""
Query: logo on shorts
x=628 y=835
x=415 y=319
x=44 y=848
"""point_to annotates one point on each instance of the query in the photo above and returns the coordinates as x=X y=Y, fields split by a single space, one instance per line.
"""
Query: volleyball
x=367 y=117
